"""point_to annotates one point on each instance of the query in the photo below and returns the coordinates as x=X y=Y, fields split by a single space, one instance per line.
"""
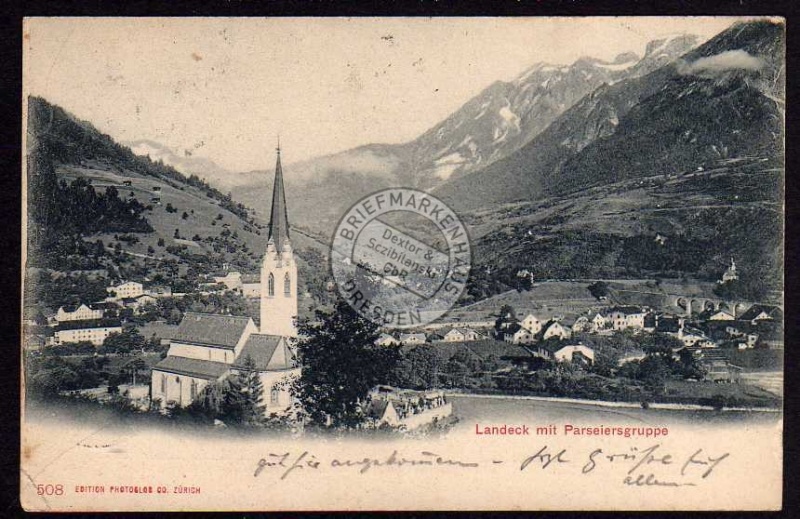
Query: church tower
x=279 y=269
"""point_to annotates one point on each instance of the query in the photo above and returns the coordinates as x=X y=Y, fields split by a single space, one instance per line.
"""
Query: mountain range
x=664 y=165
x=488 y=128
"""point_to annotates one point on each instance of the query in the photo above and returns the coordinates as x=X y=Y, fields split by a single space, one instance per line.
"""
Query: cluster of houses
x=462 y=334
x=94 y=322
x=247 y=285
x=405 y=408
x=709 y=336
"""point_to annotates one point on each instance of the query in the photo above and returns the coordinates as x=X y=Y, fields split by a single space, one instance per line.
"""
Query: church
x=207 y=348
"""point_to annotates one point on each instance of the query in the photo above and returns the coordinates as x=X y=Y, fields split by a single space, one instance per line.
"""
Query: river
x=503 y=409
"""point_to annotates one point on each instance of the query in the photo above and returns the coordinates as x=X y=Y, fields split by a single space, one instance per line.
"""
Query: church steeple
x=278 y=219
x=279 y=269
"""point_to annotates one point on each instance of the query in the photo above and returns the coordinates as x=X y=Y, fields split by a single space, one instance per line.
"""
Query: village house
x=554 y=329
x=721 y=315
x=251 y=286
x=128 y=289
x=231 y=280
x=247 y=285
x=599 y=321
x=94 y=334
x=759 y=312
x=532 y=323
x=136 y=303
x=386 y=339
x=692 y=337
x=720 y=370
x=405 y=408
x=521 y=336
x=581 y=324
x=461 y=335
x=207 y=348
x=578 y=353
x=625 y=317
x=574 y=353
x=413 y=338
x=81 y=313
x=383 y=412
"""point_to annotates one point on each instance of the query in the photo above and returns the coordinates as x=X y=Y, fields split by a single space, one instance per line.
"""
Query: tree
x=340 y=365
x=185 y=215
x=507 y=321
x=134 y=367
x=599 y=289
x=252 y=412
x=418 y=368
x=125 y=342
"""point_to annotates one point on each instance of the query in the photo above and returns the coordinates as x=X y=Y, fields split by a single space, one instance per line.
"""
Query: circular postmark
x=401 y=257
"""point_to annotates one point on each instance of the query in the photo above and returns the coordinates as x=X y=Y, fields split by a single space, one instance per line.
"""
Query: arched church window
x=287 y=285
x=271 y=285
x=163 y=383
x=273 y=396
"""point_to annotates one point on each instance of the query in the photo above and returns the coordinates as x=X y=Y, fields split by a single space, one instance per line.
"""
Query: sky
x=225 y=88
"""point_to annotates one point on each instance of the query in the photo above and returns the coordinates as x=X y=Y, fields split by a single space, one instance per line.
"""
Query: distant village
x=708 y=334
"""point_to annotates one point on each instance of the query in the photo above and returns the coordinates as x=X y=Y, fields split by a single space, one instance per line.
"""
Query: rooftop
x=211 y=329
x=193 y=367
x=262 y=348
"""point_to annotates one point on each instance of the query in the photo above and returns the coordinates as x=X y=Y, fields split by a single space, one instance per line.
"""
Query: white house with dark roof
x=461 y=335
x=623 y=317
x=572 y=352
x=207 y=348
x=759 y=312
x=532 y=323
x=521 y=336
x=554 y=329
x=81 y=313
x=125 y=290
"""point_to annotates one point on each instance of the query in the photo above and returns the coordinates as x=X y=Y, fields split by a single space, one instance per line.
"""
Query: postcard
x=302 y=264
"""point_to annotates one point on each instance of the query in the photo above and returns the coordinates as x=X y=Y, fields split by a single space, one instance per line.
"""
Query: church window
x=273 y=396
x=271 y=285
x=193 y=389
x=287 y=285
x=163 y=383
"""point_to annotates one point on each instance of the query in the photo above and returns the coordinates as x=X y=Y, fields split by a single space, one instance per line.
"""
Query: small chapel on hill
x=207 y=347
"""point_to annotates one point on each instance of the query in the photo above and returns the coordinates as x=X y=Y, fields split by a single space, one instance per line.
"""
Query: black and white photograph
x=296 y=264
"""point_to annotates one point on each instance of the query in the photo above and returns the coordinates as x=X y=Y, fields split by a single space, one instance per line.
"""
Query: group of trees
x=237 y=400
x=660 y=363
x=48 y=375
x=52 y=290
x=130 y=340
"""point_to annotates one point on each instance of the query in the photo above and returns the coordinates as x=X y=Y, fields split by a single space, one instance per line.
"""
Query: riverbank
x=604 y=403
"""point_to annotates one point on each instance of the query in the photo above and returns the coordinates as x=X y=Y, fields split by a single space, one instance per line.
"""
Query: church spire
x=278 y=220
